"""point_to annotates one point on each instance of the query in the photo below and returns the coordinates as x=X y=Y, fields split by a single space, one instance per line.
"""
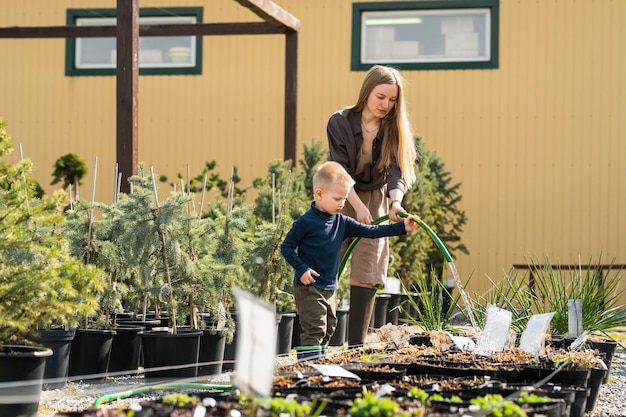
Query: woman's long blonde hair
x=398 y=142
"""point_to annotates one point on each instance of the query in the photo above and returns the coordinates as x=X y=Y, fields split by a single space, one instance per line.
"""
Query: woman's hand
x=307 y=277
x=394 y=210
x=363 y=215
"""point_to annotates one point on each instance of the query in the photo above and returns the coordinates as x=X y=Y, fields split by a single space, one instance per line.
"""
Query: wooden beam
x=201 y=29
x=198 y=29
x=272 y=13
x=127 y=88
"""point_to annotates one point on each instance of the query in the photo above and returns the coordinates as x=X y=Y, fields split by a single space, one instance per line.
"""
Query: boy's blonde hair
x=330 y=173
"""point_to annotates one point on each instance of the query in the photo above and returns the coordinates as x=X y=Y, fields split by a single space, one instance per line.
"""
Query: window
x=445 y=34
x=157 y=54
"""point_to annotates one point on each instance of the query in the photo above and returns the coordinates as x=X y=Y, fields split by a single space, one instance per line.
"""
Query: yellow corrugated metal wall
x=537 y=143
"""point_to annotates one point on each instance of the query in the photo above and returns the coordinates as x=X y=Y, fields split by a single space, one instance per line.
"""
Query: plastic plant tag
x=255 y=354
x=574 y=317
x=384 y=390
x=221 y=314
x=392 y=286
x=580 y=340
x=199 y=411
x=495 y=334
x=334 y=370
x=464 y=343
x=533 y=338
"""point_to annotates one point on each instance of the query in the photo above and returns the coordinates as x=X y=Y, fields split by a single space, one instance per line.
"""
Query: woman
x=373 y=141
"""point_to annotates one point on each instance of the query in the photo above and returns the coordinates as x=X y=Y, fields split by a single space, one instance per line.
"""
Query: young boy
x=312 y=248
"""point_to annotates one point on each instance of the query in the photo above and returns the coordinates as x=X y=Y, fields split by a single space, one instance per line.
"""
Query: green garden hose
x=126 y=394
x=381 y=219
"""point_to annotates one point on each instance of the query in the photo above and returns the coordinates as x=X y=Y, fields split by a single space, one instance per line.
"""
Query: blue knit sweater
x=314 y=242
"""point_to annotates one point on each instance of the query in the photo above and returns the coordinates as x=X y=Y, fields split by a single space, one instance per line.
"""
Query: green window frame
x=158 y=55
x=425 y=35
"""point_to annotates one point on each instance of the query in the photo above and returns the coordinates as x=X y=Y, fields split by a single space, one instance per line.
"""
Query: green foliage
x=552 y=288
x=280 y=406
x=418 y=394
x=436 y=201
x=95 y=243
x=180 y=400
x=371 y=406
x=41 y=284
x=69 y=169
x=495 y=405
x=598 y=290
x=453 y=399
x=207 y=180
x=195 y=261
x=512 y=294
x=430 y=304
x=293 y=188
x=172 y=257
x=531 y=398
x=574 y=359
x=283 y=196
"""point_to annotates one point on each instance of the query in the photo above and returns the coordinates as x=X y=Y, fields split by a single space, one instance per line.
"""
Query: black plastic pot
x=606 y=347
x=169 y=356
x=284 y=334
x=381 y=306
x=341 y=332
x=596 y=376
x=409 y=311
x=295 y=336
x=57 y=365
x=126 y=349
x=230 y=349
x=572 y=377
x=211 y=356
x=393 y=310
x=25 y=366
x=90 y=354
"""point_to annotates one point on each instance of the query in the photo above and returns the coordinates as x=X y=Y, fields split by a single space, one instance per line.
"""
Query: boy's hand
x=307 y=277
x=410 y=224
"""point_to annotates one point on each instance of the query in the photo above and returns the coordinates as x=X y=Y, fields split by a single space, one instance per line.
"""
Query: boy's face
x=333 y=199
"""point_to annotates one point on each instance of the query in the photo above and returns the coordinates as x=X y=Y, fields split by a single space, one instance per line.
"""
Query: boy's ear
x=318 y=193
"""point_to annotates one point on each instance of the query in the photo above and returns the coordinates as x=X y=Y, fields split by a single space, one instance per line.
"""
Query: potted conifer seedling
x=41 y=284
x=184 y=262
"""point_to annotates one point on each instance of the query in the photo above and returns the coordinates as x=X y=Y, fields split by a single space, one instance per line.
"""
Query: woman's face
x=382 y=99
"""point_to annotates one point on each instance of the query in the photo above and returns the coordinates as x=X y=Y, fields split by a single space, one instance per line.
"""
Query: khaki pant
x=368 y=267
x=317 y=311
x=370 y=257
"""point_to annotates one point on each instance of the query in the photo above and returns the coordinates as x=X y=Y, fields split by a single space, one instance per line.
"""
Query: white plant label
x=256 y=347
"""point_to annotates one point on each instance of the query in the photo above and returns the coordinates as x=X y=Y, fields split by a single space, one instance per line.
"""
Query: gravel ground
x=78 y=396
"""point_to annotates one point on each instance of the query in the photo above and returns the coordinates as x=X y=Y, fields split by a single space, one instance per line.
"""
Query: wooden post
x=291 y=95
x=127 y=86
